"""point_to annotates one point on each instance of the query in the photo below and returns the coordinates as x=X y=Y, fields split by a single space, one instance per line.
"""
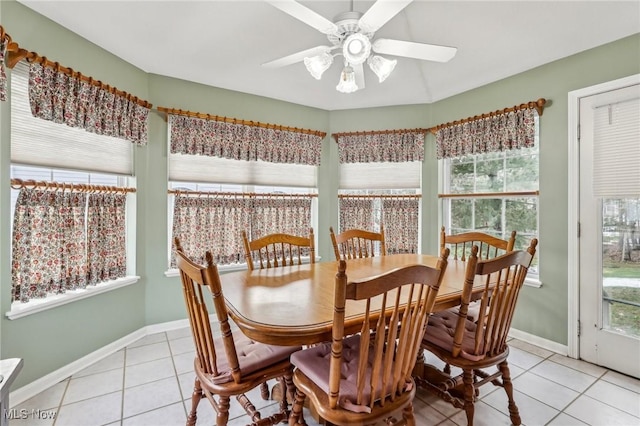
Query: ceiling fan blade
x=305 y=15
x=296 y=57
x=426 y=52
x=380 y=13
x=359 y=70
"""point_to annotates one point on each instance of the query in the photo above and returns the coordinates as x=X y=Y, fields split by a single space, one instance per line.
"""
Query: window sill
x=533 y=282
x=19 y=309
x=222 y=268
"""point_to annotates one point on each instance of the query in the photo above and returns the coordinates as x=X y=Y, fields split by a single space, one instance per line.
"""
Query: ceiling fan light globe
x=356 y=48
x=317 y=65
x=382 y=67
x=347 y=83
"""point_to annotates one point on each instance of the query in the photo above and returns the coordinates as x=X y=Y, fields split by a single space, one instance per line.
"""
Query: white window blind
x=44 y=143
x=201 y=168
x=380 y=175
x=616 y=169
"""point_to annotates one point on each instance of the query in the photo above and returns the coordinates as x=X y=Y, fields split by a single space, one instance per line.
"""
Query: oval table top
x=293 y=305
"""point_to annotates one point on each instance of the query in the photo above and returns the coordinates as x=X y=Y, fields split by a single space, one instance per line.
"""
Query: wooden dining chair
x=357 y=243
x=475 y=346
x=274 y=250
x=229 y=363
x=363 y=378
x=488 y=245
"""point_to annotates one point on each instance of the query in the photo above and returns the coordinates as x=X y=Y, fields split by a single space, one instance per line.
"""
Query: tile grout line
x=177 y=376
x=124 y=375
x=55 y=420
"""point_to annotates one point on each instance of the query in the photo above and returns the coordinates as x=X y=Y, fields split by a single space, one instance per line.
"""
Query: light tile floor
x=150 y=382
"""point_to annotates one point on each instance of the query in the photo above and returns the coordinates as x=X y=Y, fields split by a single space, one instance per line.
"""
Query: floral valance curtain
x=392 y=147
x=401 y=220
x=216 y=223
x=239 y=141
x=56 y=96
x=512 y=130
x=50 y=234
x=4 y=41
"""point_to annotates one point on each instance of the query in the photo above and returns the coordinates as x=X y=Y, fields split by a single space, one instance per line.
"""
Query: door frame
x=573 y=255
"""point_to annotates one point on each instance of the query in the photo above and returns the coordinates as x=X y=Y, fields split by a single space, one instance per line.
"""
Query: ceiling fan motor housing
x=347 y=23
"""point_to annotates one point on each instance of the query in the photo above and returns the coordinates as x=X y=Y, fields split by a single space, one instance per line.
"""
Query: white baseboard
x=32 y=389
x=539 y=341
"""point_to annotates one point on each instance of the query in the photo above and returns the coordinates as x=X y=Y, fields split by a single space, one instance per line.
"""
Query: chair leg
x=264 y=391
x=290 y=388
x=284 y=405
x=195 y=400
x=407 y=415
x=469 y=395
x=296 y=417
x=223 y=411
x=508 y=387
x=248 y=407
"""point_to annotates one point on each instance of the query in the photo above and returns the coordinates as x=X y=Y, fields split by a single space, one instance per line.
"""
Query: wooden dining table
x=293 y=305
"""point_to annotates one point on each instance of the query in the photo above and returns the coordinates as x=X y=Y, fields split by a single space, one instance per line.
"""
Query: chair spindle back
x=358 y=243
x=275 y=250
x=488 y=245
x=194 y=278
x=390 y=344
x=503 y=278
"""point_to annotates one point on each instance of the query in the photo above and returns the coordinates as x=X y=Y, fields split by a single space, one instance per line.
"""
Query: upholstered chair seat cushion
x=252 y=356
x=442 y=327
x=314 y=363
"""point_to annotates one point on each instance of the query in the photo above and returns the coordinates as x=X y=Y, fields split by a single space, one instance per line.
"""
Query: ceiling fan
x=352 y=36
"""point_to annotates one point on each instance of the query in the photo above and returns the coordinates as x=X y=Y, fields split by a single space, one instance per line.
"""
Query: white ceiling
x=224 y=43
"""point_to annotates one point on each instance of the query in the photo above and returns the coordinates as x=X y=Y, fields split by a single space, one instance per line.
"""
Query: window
x=243 y=176
x=397 y=209
x=380 y=176
x=494 y=193
x=70 y=240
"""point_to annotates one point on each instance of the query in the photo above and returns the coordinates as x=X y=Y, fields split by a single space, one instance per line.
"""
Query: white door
x=609 y=218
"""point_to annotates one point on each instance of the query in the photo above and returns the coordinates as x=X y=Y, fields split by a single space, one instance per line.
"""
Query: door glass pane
x=621 y=265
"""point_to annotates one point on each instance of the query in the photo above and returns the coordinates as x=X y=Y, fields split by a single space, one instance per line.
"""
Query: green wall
x=54 y=338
